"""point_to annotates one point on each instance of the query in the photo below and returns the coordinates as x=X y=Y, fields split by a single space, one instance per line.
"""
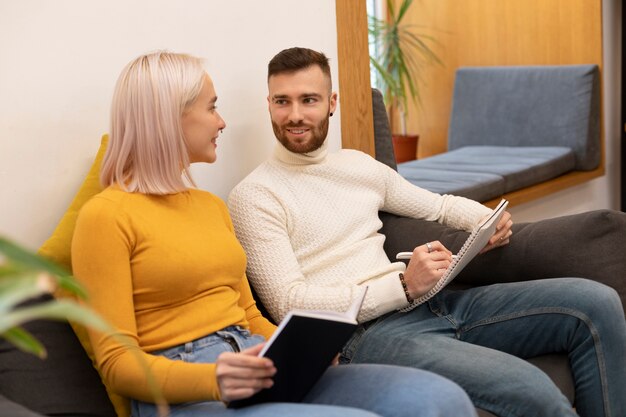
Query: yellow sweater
x=164 y=270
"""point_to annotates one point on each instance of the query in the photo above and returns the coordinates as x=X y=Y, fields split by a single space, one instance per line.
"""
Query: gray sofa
x=514 y=127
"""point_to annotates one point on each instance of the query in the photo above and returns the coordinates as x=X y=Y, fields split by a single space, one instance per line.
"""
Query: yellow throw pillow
x=58 y=249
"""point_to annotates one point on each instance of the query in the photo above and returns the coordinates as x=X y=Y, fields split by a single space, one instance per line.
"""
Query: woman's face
x=202 y=123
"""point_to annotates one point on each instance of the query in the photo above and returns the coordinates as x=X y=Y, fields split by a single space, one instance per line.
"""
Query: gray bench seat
x=486 y=172
x=512 y=128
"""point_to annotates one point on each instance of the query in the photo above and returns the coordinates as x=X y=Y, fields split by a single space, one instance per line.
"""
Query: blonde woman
x=161 y=262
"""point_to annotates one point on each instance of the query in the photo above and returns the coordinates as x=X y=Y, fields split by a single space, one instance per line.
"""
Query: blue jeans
x=343 y=391
x=477 y=336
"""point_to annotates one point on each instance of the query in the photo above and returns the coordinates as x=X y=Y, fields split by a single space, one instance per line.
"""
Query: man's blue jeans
x=343 y=391
x=477 y=336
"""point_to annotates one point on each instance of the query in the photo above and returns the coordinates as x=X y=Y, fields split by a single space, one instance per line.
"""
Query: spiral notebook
x=476 y=241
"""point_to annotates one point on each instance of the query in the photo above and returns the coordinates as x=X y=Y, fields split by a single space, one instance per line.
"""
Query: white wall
x=60 y=60
x=602 y=192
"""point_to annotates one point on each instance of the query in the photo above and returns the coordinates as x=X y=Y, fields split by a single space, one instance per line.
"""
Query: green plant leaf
x=25 y=341
x=22 y=256
x=19 y=288
x=391 y=11
x=7 y=269
x=17 y=257
x=403 y=8
x=56 y=310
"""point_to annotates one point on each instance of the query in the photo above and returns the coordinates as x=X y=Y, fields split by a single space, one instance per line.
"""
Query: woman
x=163 y=265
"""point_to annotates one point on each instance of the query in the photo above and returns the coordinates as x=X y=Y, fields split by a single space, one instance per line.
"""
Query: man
x=308 y=221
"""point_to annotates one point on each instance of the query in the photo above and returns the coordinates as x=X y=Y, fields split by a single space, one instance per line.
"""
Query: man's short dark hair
x=296 y=59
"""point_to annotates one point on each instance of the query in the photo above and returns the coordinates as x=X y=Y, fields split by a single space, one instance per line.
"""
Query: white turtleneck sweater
x=309 y=225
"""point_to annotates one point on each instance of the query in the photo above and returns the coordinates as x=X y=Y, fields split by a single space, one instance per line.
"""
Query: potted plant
x=400 y=51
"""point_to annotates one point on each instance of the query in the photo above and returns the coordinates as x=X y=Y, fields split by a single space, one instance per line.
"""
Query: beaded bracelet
x=405 y=288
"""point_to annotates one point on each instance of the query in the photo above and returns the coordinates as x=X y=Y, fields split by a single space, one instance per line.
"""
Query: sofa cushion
x=558 y=369
x=65 y=383
x=518 y=167
x=479 y=186
x=529 y=106
x=383 y=145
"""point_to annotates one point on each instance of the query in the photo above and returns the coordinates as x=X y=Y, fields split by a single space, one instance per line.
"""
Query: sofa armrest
x=580 y=245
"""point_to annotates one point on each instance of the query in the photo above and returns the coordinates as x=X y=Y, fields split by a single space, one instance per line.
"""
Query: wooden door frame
x=355 y=97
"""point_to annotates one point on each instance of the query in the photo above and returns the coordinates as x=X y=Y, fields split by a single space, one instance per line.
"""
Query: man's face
x=300 y=104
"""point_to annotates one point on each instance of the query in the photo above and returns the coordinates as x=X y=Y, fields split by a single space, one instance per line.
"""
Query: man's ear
x=333 y=102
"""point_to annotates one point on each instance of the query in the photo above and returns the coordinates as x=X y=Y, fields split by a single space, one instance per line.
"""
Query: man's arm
x=406 y=199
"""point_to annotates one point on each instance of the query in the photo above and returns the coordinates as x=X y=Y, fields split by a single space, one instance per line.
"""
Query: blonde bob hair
x=147 y=151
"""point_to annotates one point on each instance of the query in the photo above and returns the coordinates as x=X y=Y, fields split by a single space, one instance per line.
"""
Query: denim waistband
x=237 y=334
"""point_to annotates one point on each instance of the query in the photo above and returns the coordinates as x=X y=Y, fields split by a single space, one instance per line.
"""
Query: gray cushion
x=383 y=144
x=475 y=185
x=528 y=106
x=518 y=167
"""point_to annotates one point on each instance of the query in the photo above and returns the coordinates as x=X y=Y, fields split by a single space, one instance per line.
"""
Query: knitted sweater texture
x=163 y=270
x=309 y=225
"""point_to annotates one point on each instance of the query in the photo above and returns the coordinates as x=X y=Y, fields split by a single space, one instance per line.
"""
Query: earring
x=331 y=114
x=221 y=131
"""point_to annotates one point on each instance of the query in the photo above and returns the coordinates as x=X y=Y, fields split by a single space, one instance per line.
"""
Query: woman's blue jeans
x=343 y=391
x=477 y=336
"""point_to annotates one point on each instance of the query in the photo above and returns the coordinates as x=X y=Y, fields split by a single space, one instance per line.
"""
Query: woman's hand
x=427 y=265
x=240 y=375
x=502 y=234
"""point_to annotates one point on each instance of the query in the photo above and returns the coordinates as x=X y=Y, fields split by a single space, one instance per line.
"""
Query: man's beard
x=318 y=136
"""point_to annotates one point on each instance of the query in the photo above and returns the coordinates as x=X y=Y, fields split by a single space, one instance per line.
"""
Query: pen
x=407 y=255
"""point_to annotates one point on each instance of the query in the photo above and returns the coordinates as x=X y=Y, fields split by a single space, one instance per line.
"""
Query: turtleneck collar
x=286 y=156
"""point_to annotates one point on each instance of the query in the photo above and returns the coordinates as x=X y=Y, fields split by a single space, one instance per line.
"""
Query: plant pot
x=405 y=147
